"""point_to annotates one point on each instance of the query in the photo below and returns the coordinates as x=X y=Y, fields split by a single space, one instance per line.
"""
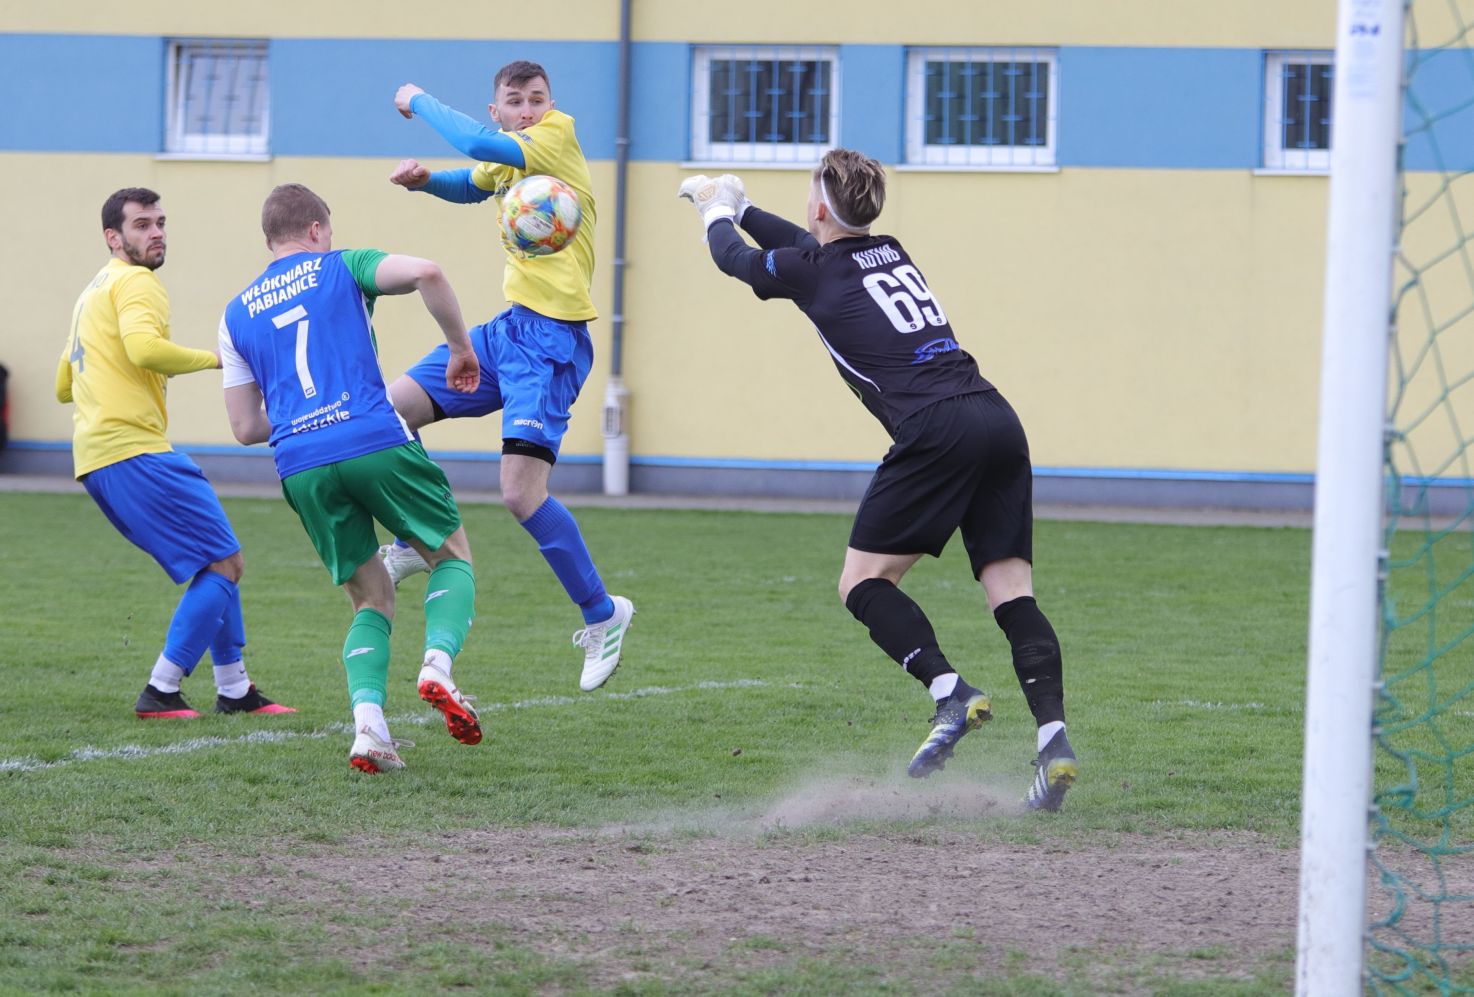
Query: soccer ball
x=540 y=215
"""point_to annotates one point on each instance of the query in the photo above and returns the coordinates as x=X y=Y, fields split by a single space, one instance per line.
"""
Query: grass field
x=751 y=722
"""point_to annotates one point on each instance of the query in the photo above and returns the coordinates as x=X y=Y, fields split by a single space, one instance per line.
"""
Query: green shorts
x=401 y=487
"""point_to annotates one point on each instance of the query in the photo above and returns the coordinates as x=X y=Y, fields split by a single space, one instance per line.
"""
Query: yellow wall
x=921 y=22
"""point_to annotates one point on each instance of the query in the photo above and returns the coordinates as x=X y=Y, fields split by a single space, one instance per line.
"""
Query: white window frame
x=921 y=154
x=240 y=143
x=779 y=154
x=1278 y=158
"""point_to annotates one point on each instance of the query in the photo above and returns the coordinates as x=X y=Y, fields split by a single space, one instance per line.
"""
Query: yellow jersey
x=115 y=366
x=558 y=285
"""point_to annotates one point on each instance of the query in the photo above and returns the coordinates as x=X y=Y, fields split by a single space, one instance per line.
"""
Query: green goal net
x=1421 y=887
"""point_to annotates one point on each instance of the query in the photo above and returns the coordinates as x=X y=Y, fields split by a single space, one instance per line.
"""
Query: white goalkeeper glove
x=733 y=185
x=714 y=199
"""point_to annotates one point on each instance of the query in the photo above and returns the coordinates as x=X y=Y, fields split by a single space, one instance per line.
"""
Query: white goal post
x=1346 y=553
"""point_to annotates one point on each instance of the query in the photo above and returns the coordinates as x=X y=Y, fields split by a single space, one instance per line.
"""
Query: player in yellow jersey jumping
x=114 y=370
x=536 y=354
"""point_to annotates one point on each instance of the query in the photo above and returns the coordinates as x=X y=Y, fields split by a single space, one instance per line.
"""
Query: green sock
x=366 y=657
x=450 y=605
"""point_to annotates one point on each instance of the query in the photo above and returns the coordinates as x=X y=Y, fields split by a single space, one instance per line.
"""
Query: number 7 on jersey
x=286 y=318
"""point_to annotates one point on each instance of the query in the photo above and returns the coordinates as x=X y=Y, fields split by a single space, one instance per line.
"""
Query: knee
x=455 y=548
x=519 y=503
x=233 y=567
x=847 y=582
x=855 y=591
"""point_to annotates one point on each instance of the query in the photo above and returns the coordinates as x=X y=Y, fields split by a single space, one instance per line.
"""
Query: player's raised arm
x=466 y=134
x=718 y=202
x=402 y=274
x=768 y=230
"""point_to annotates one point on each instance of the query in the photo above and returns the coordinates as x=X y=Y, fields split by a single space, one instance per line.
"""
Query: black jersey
x=888 y=336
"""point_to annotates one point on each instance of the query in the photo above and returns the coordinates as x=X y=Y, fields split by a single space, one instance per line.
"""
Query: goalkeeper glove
x=714 y=199
x=734 y=187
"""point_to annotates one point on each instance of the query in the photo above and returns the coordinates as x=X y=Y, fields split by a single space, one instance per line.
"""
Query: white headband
x=824 y=193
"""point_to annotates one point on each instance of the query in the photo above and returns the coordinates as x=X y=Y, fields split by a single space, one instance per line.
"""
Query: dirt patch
x=702 y=898
x=723 y=893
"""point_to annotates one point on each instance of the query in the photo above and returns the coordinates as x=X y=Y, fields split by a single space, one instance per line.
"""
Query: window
x=764 y=105
x=219 y=102
x=981 y=107
x=1297 y=111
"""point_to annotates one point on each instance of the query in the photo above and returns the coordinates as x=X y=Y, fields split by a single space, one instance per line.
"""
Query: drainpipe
x=616 y=398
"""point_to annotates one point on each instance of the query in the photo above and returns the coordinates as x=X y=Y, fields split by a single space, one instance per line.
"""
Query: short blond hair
x=855 y=185
x=289 y=211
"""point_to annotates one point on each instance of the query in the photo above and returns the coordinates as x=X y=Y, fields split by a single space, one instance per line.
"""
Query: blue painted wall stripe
x=68 y=97
x=873 y=100
x=1144 y=108
x=1160 y=108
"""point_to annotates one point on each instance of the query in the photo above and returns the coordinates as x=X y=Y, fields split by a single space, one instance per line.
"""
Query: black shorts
x=961 y=463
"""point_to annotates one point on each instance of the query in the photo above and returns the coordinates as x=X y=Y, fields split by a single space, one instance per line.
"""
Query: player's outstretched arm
x=143 y=328
x=153 y=352
x=718 y=202
x=774 y=232
x=448 y=185
x=402 y=274
x=768 y=230
x=463 y=132
x=247 y=412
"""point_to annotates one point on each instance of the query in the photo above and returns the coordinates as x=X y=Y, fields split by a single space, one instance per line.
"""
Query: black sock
x=1036 y=657
x=899 y=628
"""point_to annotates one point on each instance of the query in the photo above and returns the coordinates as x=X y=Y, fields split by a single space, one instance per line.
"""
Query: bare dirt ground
x=665 y=907
x=697 y=900
x=704 y=897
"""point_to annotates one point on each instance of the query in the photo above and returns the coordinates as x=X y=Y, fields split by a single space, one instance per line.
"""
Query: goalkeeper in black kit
x=959 y=461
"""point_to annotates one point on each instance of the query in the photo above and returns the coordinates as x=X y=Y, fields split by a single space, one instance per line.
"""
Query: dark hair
x=855 y=184
x=290 y=210
x=517 y=73
x=112 y=208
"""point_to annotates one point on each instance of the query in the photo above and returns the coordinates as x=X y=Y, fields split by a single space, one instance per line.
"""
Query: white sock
x=1047 y=732
x=371 y=715
x=941 y=687
x=166 y=675
x=439 y=659
x=231 y=680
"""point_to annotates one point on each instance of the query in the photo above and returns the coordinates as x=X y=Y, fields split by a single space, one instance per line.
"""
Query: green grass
x=1184 y=655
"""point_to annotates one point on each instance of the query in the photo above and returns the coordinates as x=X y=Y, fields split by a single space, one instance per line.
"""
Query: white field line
x=135 y=752
x=1198 y=704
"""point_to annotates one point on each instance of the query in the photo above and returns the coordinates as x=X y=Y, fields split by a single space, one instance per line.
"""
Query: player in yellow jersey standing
x=114 y=370
x=536 y=354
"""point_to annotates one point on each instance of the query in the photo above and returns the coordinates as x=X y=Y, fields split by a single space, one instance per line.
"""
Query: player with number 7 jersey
x=302 y=371
x=305 y=325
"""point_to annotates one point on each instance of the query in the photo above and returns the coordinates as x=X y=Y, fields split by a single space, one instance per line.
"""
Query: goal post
x=1346 y=550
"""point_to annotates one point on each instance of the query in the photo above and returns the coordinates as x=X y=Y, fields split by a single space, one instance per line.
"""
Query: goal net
x=1421 y=886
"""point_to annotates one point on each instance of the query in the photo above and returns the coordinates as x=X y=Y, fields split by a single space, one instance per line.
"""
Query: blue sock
x=197 y=619
x=562 y=546
x=225 y=648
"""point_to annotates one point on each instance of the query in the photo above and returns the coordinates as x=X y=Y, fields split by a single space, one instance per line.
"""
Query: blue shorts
x=164 y=505
x=532 y=368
